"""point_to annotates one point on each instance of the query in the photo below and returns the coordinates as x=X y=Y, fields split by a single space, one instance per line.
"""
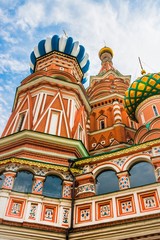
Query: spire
x=142 y=70
x=106 y=55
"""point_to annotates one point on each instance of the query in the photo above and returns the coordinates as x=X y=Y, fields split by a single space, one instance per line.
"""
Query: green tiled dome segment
x=142 y=88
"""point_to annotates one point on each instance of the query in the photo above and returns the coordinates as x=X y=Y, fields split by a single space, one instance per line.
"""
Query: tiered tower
x=110 y=127
x=52 y=99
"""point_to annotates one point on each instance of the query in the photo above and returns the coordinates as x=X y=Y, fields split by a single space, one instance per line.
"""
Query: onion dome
x=65 y=45
x=142 y=88
x=105 y=50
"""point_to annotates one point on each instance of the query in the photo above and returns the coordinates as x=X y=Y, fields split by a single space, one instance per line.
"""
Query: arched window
x=54 y=123
x=106 y=182
x=141 y=173
x=1 y=179
x=23 y=182
x=101 y=124
x=52 y=186
x=80 y=133
x=20 y=122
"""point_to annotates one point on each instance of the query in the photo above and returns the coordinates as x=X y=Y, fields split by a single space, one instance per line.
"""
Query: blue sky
x=130 y=28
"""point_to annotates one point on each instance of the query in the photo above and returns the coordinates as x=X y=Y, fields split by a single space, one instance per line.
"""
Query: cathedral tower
x=52 y=99
x=110 y=125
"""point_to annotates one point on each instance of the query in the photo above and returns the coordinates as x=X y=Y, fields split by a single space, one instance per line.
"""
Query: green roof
x=142 y=88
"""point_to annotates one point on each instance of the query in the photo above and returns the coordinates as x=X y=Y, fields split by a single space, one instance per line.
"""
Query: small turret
x=109 y=125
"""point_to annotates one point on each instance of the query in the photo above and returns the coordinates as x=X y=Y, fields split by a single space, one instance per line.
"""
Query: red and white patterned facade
x=58 y=128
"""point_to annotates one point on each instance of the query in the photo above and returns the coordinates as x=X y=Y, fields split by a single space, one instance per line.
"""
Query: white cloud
x=2 y=100
x=124 y=28
x=3 y=17
x=8 y=63
x=1 y=88
x=7 y=37
x=30 y=15
x=9 y=4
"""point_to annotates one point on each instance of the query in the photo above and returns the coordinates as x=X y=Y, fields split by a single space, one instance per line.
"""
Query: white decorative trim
x=89 y=187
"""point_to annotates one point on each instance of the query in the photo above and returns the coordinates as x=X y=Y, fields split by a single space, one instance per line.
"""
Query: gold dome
x=105 y=49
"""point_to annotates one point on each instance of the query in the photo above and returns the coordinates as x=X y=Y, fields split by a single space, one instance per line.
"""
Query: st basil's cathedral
x=79 y=163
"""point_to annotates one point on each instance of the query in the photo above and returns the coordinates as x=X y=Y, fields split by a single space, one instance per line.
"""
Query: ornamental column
x=67 y=186
x=123 y=178
x=38 y=184
x=156 y=161
x=117 y=112
x=8 y=180
x=157 y=172
x=85 y=185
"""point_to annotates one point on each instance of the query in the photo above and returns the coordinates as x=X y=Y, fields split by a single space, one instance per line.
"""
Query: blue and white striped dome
x=65 y=45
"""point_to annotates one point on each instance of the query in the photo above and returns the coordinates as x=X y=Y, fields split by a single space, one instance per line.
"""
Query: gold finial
x=142 y=70
x=105 y=43
x=105 y=49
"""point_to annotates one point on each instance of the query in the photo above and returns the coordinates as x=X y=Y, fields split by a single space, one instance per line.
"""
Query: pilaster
x=123 y=178
x=9 y=180
x=38 y=185
x=85 y=185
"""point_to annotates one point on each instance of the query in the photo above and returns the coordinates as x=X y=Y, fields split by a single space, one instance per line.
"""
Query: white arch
x=26 y=168
x=101 y=168
x=136 y=159
x=55 y=173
